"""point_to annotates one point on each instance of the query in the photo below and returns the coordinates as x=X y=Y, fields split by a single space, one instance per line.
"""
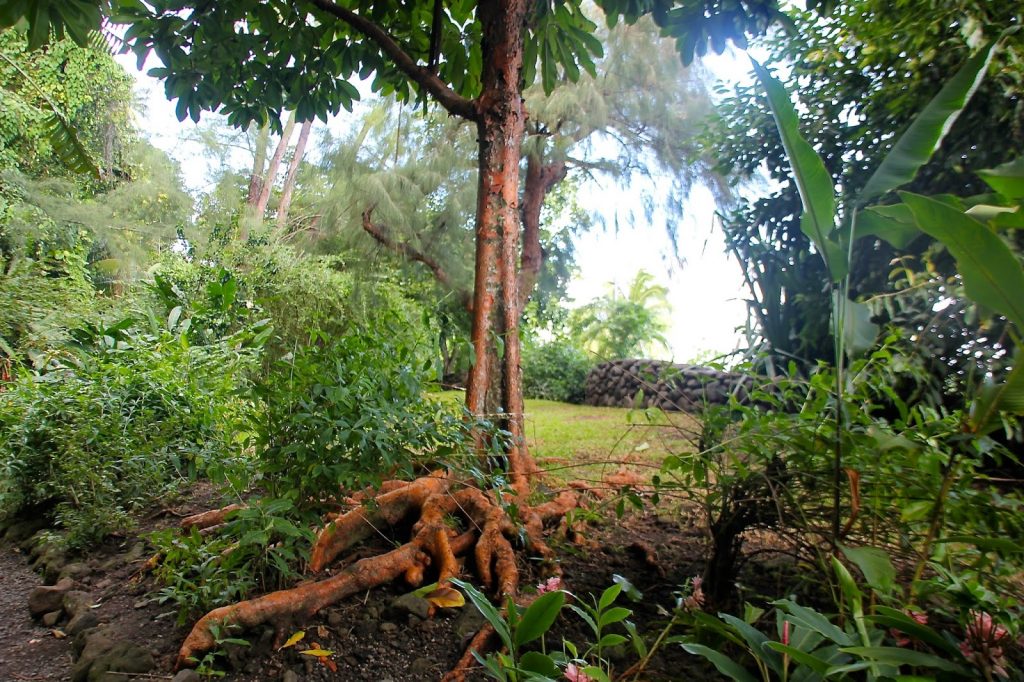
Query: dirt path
x=28 y=651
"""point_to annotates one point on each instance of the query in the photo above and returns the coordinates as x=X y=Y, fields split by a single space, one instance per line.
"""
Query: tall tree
x=254 y=59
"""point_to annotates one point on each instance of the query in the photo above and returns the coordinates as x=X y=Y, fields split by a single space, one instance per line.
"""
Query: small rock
x=76 y=603
x=421 y=667
x=122 y=658
x=50 y=562
x=388 y=628
x=135 y=553
x=367 y=628
x=48 y=597
x=411 y=604
x=82 y=622
x=50 y=619
x=76 y=571
x=186 y=675
x=468 y=623
x=104 y=584
x=290 y=676
x=334 y=618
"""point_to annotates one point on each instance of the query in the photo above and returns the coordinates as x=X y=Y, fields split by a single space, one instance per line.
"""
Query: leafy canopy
x=252 y=59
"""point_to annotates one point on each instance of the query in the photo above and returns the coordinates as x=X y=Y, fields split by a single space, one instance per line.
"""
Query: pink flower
x=696 y=599
x=574 y=674
x=901 y=638
x=983 y=645
x=552 y=584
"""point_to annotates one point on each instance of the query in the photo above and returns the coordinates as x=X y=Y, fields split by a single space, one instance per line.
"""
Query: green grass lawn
x=580 y=441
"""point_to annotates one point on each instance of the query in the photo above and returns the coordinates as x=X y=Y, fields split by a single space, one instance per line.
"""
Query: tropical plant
x=625 y=324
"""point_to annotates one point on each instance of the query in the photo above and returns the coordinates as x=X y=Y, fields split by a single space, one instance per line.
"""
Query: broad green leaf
x=917 y=144
x=538 y=617
x=998 y=216
x=1007 y=179
x=756 y=641
x=893 y=224
x=899 y=656
x=817 y=193
x=993 y=277
x=802 y=657
x=875 y=565
x=813 y=620
x=614 y=615
x=539 y=664
x=859 y=332
x=723 y=663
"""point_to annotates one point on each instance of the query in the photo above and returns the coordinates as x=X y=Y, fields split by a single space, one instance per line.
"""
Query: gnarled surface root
x=436 y=542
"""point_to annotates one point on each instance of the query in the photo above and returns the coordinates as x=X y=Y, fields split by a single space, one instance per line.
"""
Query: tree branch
x=380 y=235
x=455 y=103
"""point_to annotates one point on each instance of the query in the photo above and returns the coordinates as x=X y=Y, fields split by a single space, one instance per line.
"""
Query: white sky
x=706 y=291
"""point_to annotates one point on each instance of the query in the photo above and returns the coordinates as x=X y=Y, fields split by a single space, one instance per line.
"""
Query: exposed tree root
x=208 y=519
x=450 y=520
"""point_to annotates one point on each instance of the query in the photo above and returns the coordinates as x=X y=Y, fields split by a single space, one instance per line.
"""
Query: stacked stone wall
x=669 y=386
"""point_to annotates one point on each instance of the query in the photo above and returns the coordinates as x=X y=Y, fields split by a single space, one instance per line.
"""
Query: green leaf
x=899 y=656
x=1007 y=179
x=538 y=617
x=875 y=565
x=923 y=137
x=987 y=544
x=813 y=620
x=817 y=193
x=723 y=663
x=756 y=641
x=893 y=224
x=609 y=596
x=802 y=657
x=614 y=615
x=859 y=332
x=993 y=277
x=538 y=663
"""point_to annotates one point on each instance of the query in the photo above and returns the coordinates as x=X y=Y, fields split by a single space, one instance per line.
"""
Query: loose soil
x=370 y=639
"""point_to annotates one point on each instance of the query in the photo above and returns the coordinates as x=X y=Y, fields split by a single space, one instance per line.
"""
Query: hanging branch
x=380 y=235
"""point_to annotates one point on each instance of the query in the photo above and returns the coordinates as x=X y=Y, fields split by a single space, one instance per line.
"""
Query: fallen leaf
x=446 y=598
x=322 y=631
x=294 y=639
x=59 y=634
x=331 y=665
x=319 y=653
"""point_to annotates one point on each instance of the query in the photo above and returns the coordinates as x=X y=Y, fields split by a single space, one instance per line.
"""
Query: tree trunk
x=540 y=179
x=260 y=160
x=500 y=127
x=293 y=169
x=275 y=163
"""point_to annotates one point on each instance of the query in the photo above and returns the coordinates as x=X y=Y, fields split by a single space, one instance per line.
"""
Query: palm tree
x=624 y=324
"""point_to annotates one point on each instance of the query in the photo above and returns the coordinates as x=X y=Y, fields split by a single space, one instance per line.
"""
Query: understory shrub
x=346 y=412
x=555 y=370
x=122 y=421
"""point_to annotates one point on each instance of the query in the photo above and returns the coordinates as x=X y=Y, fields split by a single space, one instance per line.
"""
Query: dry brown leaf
x=446 y=598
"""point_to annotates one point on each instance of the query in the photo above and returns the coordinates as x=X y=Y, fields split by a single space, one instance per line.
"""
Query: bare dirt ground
x=370 y=637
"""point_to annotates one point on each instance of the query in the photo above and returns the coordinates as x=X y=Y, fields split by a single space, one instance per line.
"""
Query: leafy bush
x=556 y=370
x=126 y=418
x=346 y=412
